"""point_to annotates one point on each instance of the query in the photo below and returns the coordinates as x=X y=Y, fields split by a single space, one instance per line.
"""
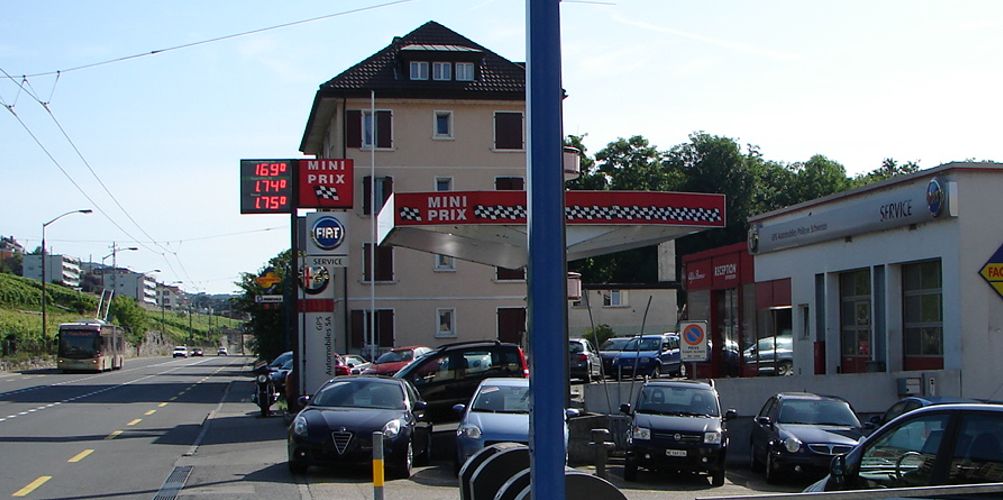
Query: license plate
x=675 y=453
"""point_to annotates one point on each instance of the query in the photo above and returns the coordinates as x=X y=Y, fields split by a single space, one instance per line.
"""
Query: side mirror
x=420 y=405
x=571 y=413
x=764 y=421
x=837 y=469
x=625 y=408
x=730 y=413
x=303 y=400
x=458 y=408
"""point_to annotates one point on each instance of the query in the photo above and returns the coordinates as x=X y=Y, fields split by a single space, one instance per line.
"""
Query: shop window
x=614 y=298
x=855 y=320
x=773 y=353
x=922 y=316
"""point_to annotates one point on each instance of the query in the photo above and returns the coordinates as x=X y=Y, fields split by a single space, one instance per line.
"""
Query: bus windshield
x=78 y=344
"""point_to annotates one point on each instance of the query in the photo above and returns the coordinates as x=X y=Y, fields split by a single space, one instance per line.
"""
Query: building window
x=510 y=184
x=442 y=125
x=442 y=71
x=359 y=129
x=419 y=70
x=614 y=298
x=384 y=188
x=465 y=72
x=444 y=263
x=508 y=130
x=922 y=315
x=443 y=183
x=445 y=323
x=505 y=274
x=362 y=327
x=855 y=320
x=384 y=263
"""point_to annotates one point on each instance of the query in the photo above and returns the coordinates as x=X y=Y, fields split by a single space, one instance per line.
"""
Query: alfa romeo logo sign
x=327 y=232
x=314 y=279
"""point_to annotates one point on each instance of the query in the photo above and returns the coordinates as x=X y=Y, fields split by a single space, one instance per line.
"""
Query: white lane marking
x=106 y=389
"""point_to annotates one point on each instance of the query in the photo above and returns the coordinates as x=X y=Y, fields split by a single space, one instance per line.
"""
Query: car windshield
x=361 y=393
x=645 y=345
x=614 y=344
x=684 y=401
x=279 y=361
x=502 y=399
x=817 y=412
x=395 y=357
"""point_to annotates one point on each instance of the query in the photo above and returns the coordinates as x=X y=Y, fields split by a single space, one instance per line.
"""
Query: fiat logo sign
x=328 y=233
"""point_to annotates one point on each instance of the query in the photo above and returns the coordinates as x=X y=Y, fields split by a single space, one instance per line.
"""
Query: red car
x=392 y=361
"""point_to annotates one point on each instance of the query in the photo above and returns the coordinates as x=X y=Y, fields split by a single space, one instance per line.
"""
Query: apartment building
x=449 y=115
x=61 y=269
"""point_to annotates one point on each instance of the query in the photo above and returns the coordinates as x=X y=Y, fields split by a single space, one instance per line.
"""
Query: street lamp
x=81 y=211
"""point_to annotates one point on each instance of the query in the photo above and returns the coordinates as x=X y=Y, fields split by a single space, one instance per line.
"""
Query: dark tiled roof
x=497 y=77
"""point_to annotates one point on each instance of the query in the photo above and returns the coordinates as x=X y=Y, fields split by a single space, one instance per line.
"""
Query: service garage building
x=903 y=277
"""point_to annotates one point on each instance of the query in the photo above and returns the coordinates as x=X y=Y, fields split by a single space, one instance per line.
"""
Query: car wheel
x=629 y=470
x=717 y=478
x=785 y=368
x=771 y=473
x=402 y=469
x=297 y=466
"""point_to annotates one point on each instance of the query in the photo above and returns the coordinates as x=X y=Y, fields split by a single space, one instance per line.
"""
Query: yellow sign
x=992 y=272
x=268 y=279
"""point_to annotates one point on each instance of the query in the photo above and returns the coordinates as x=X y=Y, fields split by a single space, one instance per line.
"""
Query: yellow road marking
x=113 y=435
x=161 y=405
x=151 y=412
x=80 y=456
x=31 y=486
x=134 y=422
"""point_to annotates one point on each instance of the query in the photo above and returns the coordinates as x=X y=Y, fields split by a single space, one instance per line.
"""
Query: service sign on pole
x=326 y=183
x=693 y=341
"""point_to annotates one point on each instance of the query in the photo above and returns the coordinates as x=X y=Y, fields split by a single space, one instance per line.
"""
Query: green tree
x=128 y=315
x=889 y=168
x=266 y=323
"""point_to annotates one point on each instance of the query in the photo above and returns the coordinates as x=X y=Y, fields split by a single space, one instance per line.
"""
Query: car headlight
x=792 y=444
x=392 y=428
x=713 y=437
x=262 y=378
x=641 y=433
x=470 y=431
x=300 y=427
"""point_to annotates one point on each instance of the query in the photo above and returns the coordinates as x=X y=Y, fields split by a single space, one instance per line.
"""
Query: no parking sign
x=693 y=341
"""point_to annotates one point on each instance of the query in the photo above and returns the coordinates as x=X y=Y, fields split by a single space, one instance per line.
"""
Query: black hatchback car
x=337 y=425
x=677 y=425
x=945 y=444
x=801 y=432
x=449 y=374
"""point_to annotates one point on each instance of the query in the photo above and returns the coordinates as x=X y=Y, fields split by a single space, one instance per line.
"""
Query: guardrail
x=913 y=492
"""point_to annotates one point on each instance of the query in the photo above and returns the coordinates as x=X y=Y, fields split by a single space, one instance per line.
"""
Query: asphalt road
x=185 y=428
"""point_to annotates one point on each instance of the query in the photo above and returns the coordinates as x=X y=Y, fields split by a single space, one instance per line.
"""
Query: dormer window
x=442 y=71
x=465 y=72
x=419 y=70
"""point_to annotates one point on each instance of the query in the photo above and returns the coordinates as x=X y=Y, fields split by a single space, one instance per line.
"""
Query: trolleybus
x=90 y=345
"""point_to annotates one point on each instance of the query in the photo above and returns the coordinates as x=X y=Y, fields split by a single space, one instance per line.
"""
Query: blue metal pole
x=547 y=267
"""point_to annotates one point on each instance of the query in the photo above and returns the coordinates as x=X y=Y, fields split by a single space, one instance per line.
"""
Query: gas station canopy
x=490 y=227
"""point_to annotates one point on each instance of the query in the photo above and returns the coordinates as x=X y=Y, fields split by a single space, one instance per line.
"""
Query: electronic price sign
x=266 y=186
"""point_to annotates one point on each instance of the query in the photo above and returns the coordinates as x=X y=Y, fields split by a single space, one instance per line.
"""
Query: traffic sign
x=992 y=272
x=693 y=341
x=268 y=299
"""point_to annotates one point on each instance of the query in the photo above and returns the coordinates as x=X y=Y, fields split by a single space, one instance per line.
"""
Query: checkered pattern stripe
x=635 y=212
x=410 y=214
x=500 y=212
x=325 y=193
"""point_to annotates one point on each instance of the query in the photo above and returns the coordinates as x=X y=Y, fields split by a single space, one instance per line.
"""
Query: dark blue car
x=651 y=355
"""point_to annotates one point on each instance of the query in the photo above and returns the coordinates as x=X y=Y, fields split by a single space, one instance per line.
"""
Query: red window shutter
x=388 y=189
x=367 y=202
x=384 y=129
x=358 y=327
x=384 y=263
x=508 y=130
x=353 y=128
x=385 y=327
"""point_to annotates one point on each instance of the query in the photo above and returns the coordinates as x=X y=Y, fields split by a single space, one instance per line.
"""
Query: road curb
x=207 y=421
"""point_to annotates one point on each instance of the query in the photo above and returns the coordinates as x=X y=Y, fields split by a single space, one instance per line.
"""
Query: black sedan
x=337 y=425
x=802 y=432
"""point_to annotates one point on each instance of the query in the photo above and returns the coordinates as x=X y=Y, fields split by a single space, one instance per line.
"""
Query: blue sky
x=857 y=81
